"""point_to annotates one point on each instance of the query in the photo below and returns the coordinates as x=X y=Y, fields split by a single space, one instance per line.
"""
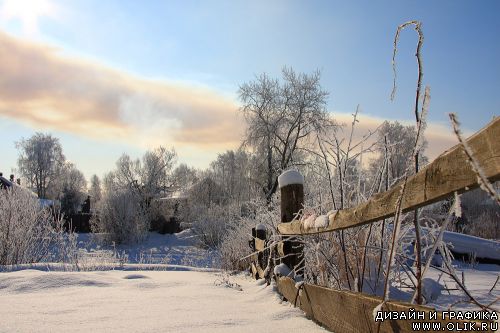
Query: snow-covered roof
x=5 y=182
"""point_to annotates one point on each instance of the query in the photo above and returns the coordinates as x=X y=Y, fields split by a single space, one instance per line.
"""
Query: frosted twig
x=437 y=242
x=495 y=284
x=481 y=177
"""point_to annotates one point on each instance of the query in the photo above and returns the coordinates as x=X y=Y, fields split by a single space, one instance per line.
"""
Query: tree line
x=287 y=126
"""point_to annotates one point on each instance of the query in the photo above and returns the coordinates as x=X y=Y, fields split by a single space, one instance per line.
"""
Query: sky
x=113 y=77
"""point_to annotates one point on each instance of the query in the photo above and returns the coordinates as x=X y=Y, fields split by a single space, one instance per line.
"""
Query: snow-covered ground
x=142 y=301
x=479 y=280
x=173 y=249
x=165 y=284
x=169 y=284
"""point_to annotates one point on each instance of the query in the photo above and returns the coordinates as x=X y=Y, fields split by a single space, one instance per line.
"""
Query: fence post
x=291 y=185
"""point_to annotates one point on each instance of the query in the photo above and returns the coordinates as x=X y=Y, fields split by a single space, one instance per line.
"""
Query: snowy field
x=171 y=249
x=169 y=284
x=165 y=284
x=479 y=280
x=142 y=301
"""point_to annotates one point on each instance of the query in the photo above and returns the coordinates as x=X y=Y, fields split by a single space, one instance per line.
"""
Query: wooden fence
x=345 y=311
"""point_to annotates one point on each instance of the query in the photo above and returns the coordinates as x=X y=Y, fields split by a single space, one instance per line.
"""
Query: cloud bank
x=44 y=89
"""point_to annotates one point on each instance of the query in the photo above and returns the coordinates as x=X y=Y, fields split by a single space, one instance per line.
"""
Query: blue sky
x=211 y=47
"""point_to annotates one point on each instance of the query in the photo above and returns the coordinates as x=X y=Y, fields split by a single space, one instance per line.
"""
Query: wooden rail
x=448 y=173
x=350 y=312
x=346 y=311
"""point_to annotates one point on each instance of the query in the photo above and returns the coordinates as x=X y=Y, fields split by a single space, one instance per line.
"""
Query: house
x=169 y=211
x=7 y=183
x=12 y=182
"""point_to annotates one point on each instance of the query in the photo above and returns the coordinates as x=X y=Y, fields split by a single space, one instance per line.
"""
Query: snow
x=308 y=221
x=290 y=177
x=465 y=244
x=282 y=270
x=260 y=227
x=479 y=279
x=321 y=221
x=145 y=301
x=180 y=249
x=168 y=284
x=431 y=290
x=315 y=222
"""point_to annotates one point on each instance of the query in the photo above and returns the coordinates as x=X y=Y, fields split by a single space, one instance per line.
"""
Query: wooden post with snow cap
x=291 y=185
x=260 y=246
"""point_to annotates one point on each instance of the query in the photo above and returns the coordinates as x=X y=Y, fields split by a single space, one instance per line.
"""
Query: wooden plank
x=260 y=272
x=254 y=271
x=344 y=311
x=448 y=173
x=260 y=244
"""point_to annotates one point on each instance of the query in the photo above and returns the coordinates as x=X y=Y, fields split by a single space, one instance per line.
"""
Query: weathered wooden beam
x=349 y=312
x=448 y=173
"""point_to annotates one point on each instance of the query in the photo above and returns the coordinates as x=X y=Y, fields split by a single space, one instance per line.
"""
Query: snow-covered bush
x=122 y=218
x=212 y=224
x=234 y=248
x=28 y=233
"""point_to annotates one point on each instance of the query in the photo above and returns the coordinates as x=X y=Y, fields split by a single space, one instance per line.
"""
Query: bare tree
x=40 y=162
x=280 y=116
x=28 y=234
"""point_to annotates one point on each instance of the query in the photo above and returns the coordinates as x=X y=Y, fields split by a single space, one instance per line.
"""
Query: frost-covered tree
x=95 y=190
x=122 y=218
x=184 y=176
x=125 y=210
x=400 y=141
x=280 y=116
x=41 y=161
x=73 y=189
x=147 y=177
x=235 y=172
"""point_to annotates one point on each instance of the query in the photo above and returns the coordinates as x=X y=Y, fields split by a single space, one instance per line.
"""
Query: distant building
x=6 y=183
x=12 y=182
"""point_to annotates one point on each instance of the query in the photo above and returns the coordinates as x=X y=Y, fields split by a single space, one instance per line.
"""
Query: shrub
x=122 y=218
x=234 y=247
x=211 y=225
x=27 y=232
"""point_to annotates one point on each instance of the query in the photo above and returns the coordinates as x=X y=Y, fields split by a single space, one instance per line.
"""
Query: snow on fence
x=346 y=311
